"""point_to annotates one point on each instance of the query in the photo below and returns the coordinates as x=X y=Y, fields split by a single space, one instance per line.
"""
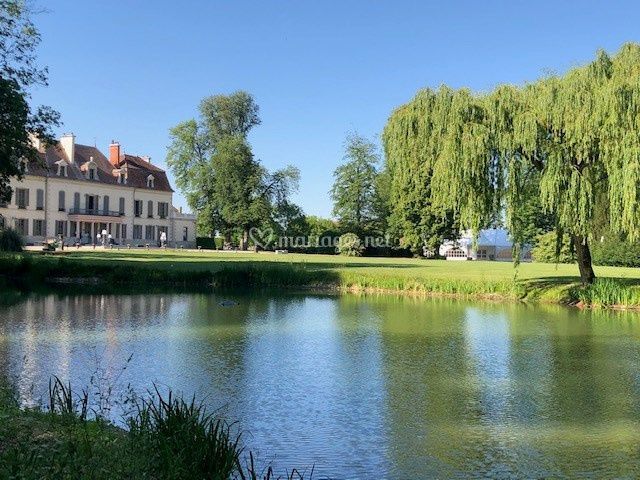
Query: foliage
x=18 y=73
x=354 y=187
x=168 y=438
x=216 y=170
x=546 y=249
x=322 y=228
x=616 y=251
x=576 y=131
x=410 y=154
x=181 y=440
x=209 y=243
x=10 y=240
x=607 y=292
x=350 y=245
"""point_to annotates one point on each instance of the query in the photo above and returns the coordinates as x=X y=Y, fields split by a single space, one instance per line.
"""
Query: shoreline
x=30 y=272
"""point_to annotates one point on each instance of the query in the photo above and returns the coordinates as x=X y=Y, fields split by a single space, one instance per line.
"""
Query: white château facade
x=77 y=192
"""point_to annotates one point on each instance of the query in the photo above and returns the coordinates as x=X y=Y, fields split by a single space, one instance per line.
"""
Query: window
x=105 y=205
x=39 y=199
x=163 y=209
x=149 y=232
x=22 y=226
x=138 y=209
x=121 y=206
x=150 y=181
x=22 y=197
x=456 y=253
x=123 y=231
x=93 y=174
x=150 y=209
x=91 y=203
x=61 y=228
x=62 y=170
x=185 y=234
x=61 y=201
x=38 y=228
x=137 y=232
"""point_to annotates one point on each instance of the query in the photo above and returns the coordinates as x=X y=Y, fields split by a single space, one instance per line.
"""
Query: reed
x=167 y=437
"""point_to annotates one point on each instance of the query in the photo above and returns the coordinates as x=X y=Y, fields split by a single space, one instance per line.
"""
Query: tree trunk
x=245 y=239
x=583 y=255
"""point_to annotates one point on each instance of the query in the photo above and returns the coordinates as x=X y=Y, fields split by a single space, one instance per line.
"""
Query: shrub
x=10 y=240
x=208 y=243
x=545 y=249
x=615 y=252
x=350 y=245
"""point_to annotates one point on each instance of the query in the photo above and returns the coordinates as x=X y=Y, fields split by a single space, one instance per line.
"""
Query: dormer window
x=91 y=169
x=25 y=166
x=62 y=169
x=150 y=181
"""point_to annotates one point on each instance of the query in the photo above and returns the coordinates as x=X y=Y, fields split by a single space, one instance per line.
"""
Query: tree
x=410 y=154
x=578 y=132
x=18 y=73
x=354 y=191
x=216 y=169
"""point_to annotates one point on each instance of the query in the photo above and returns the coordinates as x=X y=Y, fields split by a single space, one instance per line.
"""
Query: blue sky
x=130 y=70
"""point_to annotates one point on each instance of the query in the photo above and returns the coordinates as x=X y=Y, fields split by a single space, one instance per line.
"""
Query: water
x=362 y=387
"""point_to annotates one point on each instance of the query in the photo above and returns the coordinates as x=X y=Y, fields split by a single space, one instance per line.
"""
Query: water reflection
x=362 y=386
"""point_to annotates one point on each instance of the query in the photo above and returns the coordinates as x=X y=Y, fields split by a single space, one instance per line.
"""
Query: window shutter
x=106 y=204
x=121 y=206
x=39 y=198
x=76 y=201
x=26 y=197
x=61 y=200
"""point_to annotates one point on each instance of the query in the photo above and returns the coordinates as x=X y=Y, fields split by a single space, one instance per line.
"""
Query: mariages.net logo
x=266 y=238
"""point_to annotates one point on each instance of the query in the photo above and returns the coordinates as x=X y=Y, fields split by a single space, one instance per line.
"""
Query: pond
x=360 y=386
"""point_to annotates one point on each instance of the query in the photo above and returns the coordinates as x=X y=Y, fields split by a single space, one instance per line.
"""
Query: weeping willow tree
x=573 y=140
x=411 y=145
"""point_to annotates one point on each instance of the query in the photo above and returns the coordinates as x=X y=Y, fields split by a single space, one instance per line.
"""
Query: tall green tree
x=354 y=187
x=410 y=154
x=578 y=131
x=215 y=168
x=19 y=72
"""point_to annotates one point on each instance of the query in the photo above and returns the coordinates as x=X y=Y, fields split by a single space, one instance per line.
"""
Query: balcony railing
x=94 y=211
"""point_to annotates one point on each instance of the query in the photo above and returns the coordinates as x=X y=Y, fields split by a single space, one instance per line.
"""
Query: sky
x=130 y=70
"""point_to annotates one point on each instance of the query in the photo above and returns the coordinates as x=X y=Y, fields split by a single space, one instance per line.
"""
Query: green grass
x=154 y=268
x=167 y=438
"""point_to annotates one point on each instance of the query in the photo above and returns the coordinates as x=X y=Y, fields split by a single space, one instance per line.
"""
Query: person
x=163 y=239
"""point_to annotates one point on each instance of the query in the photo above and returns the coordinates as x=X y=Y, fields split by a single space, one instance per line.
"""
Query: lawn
x=148 y=268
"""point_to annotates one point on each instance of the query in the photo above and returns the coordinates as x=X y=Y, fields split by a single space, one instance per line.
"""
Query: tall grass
x=167 y=438
x=180 y=439
x=607 y=292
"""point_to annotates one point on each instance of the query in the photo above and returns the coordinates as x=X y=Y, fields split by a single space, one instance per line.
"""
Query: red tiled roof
x=137 y=168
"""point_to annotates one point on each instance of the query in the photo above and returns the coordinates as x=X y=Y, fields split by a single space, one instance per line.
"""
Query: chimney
x=114 y=153
x=36 y=142
x=68 y=144
x=146 y=158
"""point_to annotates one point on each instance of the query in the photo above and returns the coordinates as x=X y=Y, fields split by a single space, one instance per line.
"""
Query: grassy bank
x=142 y=269
x=166 y=438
